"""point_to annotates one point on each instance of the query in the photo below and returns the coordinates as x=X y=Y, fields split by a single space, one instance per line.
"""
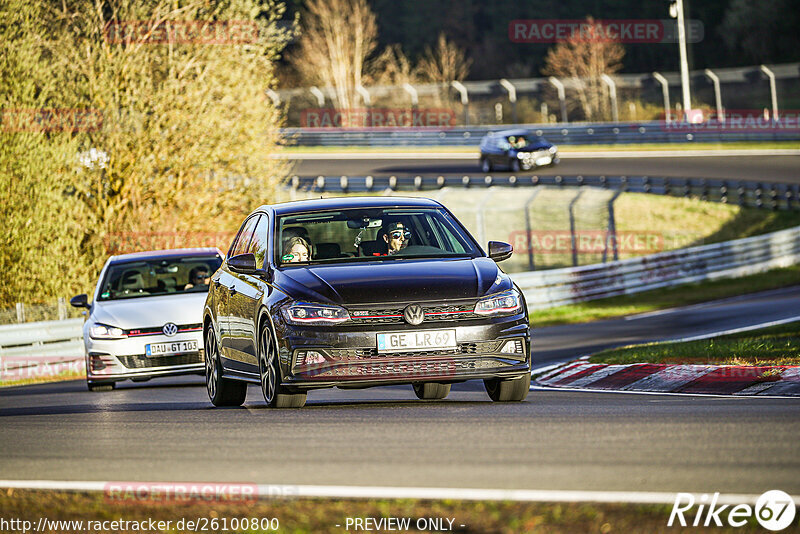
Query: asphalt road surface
x=779 y=169
x=166 y=430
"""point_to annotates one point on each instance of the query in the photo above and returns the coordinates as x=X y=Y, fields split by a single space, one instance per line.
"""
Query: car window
x=242 y=242
x=369 y=234
x=158 y=276
x=258 y=244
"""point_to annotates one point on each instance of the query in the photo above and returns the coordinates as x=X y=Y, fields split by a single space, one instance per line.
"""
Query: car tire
x=275 y=395
x=431 y=390
x=101 y=386
x=221 y=391
x=508 y=389
x=486 y=165
x=515 y=166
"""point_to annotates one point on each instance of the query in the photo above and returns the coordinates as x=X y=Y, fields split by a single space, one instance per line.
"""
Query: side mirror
x=80 y=301
x=243 y=263
x=500 y=251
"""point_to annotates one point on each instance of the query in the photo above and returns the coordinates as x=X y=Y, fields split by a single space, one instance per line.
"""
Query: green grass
x=322 y=515
x=65 y=375
x=659 y=299
x=565 y=149
x=776 y=345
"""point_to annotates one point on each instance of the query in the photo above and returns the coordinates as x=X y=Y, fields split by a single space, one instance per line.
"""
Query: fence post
x=20 y=312
x=562 y=98
x=528 y=228
x=62 y=308
x=612 y=229
x=572 y=228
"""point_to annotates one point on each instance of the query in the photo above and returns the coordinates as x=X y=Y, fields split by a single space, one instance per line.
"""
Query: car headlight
x=521 y=155
x=101 y=331
x=505 y=303
x=553 y=149
x=302 y=313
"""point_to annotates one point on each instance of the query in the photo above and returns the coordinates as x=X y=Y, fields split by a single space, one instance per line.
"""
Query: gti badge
x=170 y=329
x=414 y=314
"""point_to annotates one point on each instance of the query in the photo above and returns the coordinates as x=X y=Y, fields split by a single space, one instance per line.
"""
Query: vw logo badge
x=413 y=314
x=170 y=329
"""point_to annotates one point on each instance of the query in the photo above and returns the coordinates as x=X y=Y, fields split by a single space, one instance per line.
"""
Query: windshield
x=158 y=276
x=370 y=234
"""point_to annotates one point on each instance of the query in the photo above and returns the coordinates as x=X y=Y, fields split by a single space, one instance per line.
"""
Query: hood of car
x=533 y=147
x=394 y=281
x=149 y=312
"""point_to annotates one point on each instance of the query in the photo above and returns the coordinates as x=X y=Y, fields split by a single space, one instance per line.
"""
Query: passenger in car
x=396 y=237
x=197 y=277
x=296 y=249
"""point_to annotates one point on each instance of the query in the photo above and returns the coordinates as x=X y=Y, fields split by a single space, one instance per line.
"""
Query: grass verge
x=776 y=345
x=671 y=297
x=322 y=515
x=57 y=377
x=564 y=149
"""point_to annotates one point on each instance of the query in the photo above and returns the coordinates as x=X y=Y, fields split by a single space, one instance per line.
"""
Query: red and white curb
x=667 y=378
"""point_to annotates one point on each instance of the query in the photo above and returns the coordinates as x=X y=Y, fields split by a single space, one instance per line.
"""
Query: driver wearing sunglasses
x=396 y=237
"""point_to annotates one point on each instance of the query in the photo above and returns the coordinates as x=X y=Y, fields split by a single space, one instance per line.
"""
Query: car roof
x=336 y=203
x=517 y=131
x=165 y=254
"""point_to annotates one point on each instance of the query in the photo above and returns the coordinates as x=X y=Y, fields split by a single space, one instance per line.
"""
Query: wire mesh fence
x=56 y=310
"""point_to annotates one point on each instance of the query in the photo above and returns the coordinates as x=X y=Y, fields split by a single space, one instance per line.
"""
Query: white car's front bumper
x=119 y=359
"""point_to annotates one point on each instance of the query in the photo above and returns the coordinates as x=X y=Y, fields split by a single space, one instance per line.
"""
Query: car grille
x=405 y=370
x=156 y=330
x=433 y=313
x=143 y=362
x=477 y=347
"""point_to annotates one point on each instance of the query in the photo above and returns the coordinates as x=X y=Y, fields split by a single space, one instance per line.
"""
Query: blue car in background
x=517 y=150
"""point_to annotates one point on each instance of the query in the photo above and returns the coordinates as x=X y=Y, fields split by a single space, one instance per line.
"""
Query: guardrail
x=746 y=193
x=556 y=287
x=28 y=348
x=560 y=134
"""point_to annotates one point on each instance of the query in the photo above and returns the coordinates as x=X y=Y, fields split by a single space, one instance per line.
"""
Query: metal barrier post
x=612 y=90
x=512 y=98
x=458 y=86
x=62 y=308
x=20 y=312
x=612 y=229
x=572 y=228
x=772 y=91
x=717 y=94
x=665 y=93
x=562 y=96
x=528 y=228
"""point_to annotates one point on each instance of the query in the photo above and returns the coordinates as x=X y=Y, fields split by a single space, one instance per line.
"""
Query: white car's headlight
x=521 y=155
x=505 y=303
x=303 y=313
x=553 y=149
x=101 y=331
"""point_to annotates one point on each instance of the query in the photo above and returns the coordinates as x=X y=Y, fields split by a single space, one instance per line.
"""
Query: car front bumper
x=351 y=357
x=109 y=360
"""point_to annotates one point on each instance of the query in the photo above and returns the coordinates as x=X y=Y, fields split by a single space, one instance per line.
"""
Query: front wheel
x=486 y=165
x=515 y=166
x=508 y=389
x=431 y=390
x=276 y=395
x=221 y=391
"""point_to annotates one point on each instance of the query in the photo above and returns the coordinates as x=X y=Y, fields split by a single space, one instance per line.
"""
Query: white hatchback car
x=146 y=316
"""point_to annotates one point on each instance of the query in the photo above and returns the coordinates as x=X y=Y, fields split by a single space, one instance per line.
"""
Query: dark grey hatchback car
x=360 y=292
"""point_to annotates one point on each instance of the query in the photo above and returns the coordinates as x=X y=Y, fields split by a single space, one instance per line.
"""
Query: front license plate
x=416 y=341
x=545 y=160
x=173 y=347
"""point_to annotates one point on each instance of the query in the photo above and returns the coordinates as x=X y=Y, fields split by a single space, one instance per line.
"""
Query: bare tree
x=443 y=64
x=391 y=67
x=585 y=57
x=336 y=38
